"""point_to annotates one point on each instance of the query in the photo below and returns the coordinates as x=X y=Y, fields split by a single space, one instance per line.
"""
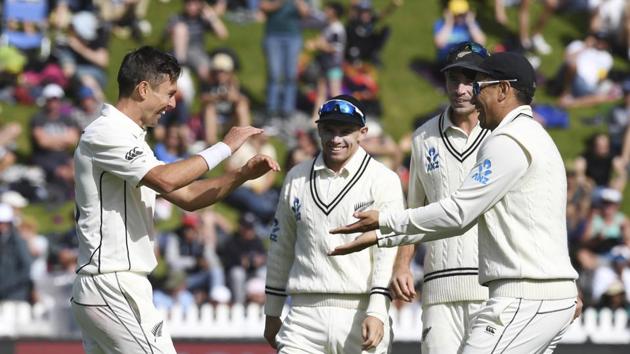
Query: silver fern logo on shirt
x=296 y=207
x=483 y=172
x=433 y=162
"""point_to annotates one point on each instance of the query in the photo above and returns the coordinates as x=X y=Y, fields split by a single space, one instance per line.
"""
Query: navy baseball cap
x=510 y=66
x=343 y=109
x=466 y=55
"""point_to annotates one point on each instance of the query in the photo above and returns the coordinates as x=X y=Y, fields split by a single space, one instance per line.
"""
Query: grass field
x=404 y=94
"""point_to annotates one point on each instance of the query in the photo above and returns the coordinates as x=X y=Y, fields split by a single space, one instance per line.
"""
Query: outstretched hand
x=360 y=243
x=238 y=135
x=368 y=221
x=258 y=166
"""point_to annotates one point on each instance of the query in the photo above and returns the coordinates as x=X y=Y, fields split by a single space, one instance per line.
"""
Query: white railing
x=19 y=319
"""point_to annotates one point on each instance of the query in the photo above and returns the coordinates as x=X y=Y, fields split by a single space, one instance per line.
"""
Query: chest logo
x=433 y=162
x=483 y=172
x=133 y=153
x=296 y=208
x=362 y=206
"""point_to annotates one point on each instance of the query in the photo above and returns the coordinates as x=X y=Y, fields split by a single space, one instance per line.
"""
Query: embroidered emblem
x=363 y=205
x=490 y=330
x=133 y=153
x=157 y=329
x=432 y=159
x=296 y=209
x=275 y=227
x=483 y=172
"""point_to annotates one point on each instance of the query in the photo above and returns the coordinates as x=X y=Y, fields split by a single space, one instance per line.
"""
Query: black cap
x=510 y=66
x=334 y=113
x=466 y=55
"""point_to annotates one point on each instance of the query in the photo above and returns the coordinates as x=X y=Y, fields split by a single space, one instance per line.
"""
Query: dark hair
x=523 y=97
x=337 y=7
x=145 y=64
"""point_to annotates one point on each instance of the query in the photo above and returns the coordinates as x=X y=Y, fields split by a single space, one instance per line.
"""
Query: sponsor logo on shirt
x=483 y=172
x=490 y=330
x=296 y=209
x=275 y=227
x=432 y=159
x=133 y=153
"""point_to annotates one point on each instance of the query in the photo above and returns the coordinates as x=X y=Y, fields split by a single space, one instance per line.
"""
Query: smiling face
x=459 y=90
x=339 y=142
x=157 y=100
x=485 y=103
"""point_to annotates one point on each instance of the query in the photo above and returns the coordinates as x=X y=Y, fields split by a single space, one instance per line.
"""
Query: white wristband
x=215 y=154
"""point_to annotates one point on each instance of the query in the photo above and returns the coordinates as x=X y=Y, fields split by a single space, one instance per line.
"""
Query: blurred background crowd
x=56 y=60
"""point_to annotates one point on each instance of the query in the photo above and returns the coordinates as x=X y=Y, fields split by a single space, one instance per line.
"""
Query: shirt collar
x=127 y=123
x=348 y=169
x=520 y=110
x=448 y=123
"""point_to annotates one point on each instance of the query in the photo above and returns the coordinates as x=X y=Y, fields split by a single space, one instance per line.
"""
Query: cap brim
x=465 y=65
x=339 y=118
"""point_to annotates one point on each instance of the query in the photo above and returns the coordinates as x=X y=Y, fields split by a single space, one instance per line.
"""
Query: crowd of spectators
x=211 y=258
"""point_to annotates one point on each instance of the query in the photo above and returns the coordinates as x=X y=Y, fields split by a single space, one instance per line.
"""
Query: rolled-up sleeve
x=500 y=164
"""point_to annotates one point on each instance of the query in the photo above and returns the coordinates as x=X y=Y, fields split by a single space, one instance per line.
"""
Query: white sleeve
x=416 y=194
x=281 y=253
x=500 y=164
x=123 y=156
x=388 y=196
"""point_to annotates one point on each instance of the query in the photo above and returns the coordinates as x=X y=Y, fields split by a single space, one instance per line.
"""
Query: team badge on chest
x=433 y=162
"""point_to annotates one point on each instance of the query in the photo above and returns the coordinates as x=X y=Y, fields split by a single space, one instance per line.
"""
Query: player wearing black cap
x=444 y=149
x=516 y=193
x=337 y=305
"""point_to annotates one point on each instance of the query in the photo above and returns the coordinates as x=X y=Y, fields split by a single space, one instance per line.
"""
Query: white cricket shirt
x=518 y=190
x=114 y=214
x=442 y=155
x=313 y=201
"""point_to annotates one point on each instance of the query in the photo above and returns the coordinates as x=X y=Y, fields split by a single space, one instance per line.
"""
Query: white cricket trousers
x=116 y=314
x=327 y=330
x=507 y=325
x=445 y=326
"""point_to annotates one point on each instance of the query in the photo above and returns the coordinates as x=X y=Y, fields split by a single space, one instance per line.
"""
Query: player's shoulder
x=381 y=173
x=429 y=128
x=301 y=170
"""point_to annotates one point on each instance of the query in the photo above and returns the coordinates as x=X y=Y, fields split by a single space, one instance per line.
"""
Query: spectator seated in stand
x=83 y=53
x=54 y=135
x=599 y=164
x=223 y=103
x=88 y=107
x=187 y=34
x=612 y=279
x=15 y=259
x=24 y=26
x=584 y=73
x=612 y=18
x=173 y=147
x=126 y=17
x=244 y=257
x=366 y=38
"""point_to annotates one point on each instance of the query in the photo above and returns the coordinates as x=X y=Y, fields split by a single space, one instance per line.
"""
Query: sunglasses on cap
x=478 y=85
x=470 y=47
x=341 y=106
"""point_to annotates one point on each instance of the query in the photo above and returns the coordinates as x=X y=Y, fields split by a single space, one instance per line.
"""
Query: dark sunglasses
x=478 y=85
x=471 y=47
x=341 y=106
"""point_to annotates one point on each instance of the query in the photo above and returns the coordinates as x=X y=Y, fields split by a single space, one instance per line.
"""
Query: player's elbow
x=158 y=182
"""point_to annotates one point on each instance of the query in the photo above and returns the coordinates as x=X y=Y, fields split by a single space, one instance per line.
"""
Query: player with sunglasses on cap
x=338 y=305
x=444 y=149
x=516 y=195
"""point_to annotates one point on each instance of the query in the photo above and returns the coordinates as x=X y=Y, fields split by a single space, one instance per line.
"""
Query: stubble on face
x=339 y=143
x=459 y=91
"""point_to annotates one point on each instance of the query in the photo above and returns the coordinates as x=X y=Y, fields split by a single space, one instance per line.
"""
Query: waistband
x=533 y=289
x=346 y=301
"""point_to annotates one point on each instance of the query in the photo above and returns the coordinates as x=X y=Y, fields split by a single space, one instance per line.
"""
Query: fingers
x=345 y=249
x=402 y=286
x=348 y=229
x=372 y=336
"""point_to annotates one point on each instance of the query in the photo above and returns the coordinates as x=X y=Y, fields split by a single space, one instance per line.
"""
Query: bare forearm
x=404 y=256
x=171 y=177
x=203 y=193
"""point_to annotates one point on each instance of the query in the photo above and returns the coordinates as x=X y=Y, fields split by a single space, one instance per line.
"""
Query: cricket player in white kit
x=444 y=150
x=517 y=194
x=338 y=305
x=117 y=178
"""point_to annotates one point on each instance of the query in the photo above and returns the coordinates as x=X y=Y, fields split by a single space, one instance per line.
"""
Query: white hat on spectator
x=85 y=24
x=611 y=195
x=222 y=62
x=52 y=91
x=6 y=213
x=220 y=294
x=14 y=199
